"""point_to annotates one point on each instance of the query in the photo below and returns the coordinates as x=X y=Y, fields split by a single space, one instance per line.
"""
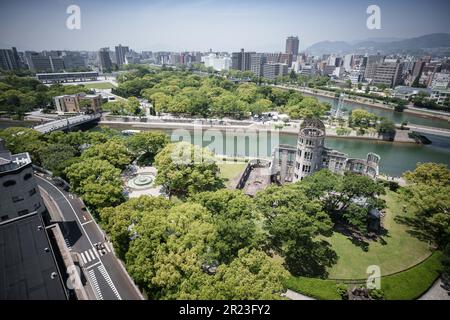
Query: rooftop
x=28 y=270
x=11 y=162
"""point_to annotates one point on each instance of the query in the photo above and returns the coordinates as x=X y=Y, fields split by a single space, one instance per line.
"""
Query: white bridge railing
x=66 y=123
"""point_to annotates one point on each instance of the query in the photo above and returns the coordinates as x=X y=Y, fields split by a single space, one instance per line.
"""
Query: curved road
x=107 y=278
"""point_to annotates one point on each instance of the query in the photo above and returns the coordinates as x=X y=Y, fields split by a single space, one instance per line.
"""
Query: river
x=395 y=157
x=397 y=117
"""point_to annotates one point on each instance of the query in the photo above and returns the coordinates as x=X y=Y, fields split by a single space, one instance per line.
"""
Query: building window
x=9 y=183
x=32 y=192
x=306 y=168
x=298 y=165
x=17 y=199
x=27 y=176
x=308 y=155
x=4 y=218
x=22 y=212
x=299 y=152
x=37 y=205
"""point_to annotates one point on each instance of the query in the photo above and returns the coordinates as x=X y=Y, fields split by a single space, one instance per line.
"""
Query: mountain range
x=436 y=44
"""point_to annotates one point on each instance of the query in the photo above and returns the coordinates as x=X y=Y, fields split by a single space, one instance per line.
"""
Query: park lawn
x=406 y=285
x=312 y=287
x=229 y=171
x=396 y=251
x=99 y=85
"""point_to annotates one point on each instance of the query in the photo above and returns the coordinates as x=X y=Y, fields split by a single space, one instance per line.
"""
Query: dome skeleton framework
x=293 y=163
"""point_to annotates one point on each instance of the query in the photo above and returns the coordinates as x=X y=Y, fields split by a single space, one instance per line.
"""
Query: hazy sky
x=228 y=25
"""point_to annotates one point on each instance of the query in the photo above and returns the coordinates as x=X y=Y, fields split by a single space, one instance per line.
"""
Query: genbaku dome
x=293 y=163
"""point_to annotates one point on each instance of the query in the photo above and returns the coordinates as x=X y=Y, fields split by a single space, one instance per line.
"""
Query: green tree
x=185 y=169
x=172 y=246
x=362 y=118
x=236 y=219
x=97 y=181
x=260 y=106
x=428 y=201
x=294 y=224
x=55 y=157
x=114 y=151
x=120 y=222
x=19 y=140
x=386 y=128
x=147 y=144
x=252 y=275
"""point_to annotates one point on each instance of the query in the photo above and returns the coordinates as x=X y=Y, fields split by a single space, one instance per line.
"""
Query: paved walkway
x=436 y=292
x=292 y=295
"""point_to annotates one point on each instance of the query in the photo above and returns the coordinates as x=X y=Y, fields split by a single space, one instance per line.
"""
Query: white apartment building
x=218 y=63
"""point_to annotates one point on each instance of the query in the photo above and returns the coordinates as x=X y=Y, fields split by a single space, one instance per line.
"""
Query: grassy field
x=315 y=288
x=99 y=85
x=393 y=252
x=229 y=171
x=407 y=285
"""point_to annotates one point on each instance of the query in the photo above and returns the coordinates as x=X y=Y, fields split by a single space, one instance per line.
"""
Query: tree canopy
x=185 y=169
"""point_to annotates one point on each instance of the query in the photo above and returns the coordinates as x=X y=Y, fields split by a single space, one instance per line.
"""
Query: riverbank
x=367 y=102
x=400 y=137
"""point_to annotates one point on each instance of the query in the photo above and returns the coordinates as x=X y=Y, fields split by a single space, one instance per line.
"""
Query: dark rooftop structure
x=28 y=269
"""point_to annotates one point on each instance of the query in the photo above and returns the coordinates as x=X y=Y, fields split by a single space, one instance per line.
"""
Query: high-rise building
x=417 y=69
x=371 y=66
x=241 y=60
x=105 y=62
x=348 y=62
x=256 y=63
x=121 y=52
x=292 y=44
x=9 y=59
x=42 y=63
x=286 y=58
x=217 y=62
x=73 y=60
x=388 y=73
x=273 y=70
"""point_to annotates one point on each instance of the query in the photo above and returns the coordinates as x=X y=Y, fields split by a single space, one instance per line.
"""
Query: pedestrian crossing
x=95 y=286
x=109 y=281
x=93 y=254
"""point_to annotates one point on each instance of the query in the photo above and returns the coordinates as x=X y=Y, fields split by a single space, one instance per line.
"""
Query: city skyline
x=201 y=25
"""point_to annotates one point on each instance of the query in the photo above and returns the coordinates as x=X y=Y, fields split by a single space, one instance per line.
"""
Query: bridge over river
x=67 y=123
x=430 y=130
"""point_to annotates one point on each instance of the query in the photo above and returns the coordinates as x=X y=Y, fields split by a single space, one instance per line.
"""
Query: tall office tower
x=417 y=69
x=292 y=44
x=73 y=60
x=338 y=62
x=348 y=62
x=105 y=63
x=41 y=63
x=273 y=70
x=286 y=58
x=257 y=61
x=241 y=60
x=388 y=73
x=121 y=52
x=9 y=59
x=371 y=66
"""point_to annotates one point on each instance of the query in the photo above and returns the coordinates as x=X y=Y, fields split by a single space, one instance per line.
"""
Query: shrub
x=376 y=294
x=342 y=290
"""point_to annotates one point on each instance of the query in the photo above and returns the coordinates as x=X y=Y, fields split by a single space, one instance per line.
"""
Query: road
x=104 y=273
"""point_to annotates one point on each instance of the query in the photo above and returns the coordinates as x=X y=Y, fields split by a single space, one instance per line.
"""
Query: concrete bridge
x=67 y=123
x=429 y=130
